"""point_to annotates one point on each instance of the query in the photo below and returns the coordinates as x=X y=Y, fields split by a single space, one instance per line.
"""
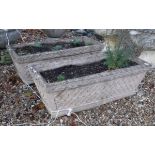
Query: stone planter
x=89 y=91
x=13 y=35
x=54 y=33
x=59 y=57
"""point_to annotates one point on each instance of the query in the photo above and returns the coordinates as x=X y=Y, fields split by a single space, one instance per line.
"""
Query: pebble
x=20 y=91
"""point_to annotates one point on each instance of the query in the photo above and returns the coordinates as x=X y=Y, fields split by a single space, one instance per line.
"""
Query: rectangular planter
x=88 y=91
x=59 y=57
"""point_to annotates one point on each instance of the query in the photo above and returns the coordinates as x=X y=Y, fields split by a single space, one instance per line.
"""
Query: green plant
x=76 y=42
x=118 y=58
x=60 y=77
x=123 y=52
x=37 y=44
x=5 y=57
x=57 y=47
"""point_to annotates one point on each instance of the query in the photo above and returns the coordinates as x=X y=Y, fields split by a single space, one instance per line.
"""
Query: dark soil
x=73 y=71
x=37 y=48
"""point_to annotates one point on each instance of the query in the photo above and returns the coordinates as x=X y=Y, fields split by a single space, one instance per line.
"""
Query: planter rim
x=90 y=79
x=55 y=54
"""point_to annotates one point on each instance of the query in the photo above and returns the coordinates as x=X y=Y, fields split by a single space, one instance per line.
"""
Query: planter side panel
x=90 y=96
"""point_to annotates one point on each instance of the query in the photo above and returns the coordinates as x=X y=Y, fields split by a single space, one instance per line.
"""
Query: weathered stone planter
x=89 y=91
x=60 y=57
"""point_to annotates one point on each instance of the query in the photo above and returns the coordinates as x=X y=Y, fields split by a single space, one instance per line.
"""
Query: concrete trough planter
x=89 y=91
x=46 y=59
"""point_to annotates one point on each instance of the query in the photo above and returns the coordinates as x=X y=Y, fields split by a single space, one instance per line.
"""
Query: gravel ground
x=19 y=106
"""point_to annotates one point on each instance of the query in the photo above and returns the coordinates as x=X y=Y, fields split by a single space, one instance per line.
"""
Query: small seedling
x=37 y=44
x=5 y=58
x=76 y=42
x=60 y=77
x=57 y=47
